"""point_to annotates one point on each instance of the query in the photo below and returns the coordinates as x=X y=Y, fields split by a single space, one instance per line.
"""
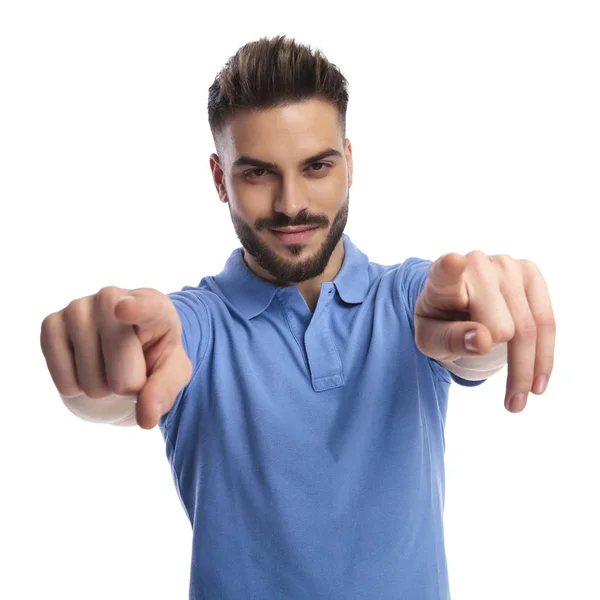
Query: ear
x=349 y=161
x=218 y=177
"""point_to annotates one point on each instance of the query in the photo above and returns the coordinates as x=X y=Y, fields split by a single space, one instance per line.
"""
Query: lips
x=296 y=229
x=294 y=235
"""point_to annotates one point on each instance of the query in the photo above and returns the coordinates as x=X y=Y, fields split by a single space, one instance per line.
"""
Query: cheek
x=250 y=206
x=338 y=183
x=335 y=195
x=328 y=191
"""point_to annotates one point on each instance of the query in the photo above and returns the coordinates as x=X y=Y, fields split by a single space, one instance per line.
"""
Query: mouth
x=294 y=235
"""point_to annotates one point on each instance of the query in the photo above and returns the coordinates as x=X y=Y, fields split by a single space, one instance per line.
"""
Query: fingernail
x=541 y=381
x=517 y=403
x=470 y=341
x=125 y=298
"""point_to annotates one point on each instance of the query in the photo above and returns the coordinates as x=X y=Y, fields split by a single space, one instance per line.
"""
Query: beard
x=288 y=270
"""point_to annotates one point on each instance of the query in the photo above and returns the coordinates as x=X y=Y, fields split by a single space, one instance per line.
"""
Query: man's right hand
x=99 y=346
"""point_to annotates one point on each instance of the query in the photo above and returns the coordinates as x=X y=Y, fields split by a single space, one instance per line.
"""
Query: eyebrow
x=261 y=164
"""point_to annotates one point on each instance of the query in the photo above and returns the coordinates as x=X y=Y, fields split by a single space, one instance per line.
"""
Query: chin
x=296 y=252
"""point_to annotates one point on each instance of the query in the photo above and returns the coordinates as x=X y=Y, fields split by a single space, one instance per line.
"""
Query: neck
x=311 y=288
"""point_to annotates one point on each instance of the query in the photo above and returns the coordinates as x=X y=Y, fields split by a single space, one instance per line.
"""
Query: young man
x=302 y=392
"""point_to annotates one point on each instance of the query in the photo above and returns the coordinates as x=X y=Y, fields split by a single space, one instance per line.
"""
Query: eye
x=321 y=167
x=255 y=173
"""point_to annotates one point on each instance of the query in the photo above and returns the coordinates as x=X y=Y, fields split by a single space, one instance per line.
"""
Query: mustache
x=301 y=219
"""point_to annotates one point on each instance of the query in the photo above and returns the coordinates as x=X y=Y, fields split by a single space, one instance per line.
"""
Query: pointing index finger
x=148 y=310
x=448 y=268
x=445 y=288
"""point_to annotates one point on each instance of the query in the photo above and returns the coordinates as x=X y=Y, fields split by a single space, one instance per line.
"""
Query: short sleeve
x=413 y=274
x=195 y=326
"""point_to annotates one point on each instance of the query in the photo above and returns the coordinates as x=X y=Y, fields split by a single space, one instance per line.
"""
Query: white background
x=475 y=125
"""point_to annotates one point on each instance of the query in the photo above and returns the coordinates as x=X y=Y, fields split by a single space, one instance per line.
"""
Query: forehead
x=283 y=133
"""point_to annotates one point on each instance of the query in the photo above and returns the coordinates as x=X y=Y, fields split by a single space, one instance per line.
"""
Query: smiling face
x=286 y=167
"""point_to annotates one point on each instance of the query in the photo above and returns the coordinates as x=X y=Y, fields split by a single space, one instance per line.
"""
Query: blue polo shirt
x=308 y=449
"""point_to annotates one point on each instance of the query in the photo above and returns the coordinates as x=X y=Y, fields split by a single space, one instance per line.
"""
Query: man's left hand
x=502 y=299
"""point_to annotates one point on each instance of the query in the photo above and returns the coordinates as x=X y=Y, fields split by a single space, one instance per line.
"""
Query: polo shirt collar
x=251 y=295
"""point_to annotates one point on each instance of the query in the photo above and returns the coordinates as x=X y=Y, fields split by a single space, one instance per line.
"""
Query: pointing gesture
x=99 y=345
x=501 y=299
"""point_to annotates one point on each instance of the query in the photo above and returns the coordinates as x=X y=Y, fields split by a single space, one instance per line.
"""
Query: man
x=302 y=392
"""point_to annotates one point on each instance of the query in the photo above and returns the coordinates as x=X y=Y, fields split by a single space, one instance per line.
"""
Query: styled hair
x=273 y=72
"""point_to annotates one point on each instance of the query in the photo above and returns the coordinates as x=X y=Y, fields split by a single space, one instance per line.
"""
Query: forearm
x=120 y=410
x=475 y=368
x=111 y=410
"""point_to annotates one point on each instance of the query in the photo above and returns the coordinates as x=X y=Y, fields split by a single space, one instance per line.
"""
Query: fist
x=98 y=346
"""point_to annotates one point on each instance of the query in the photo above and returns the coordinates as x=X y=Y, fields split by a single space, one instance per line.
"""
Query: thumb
x=169 y=369
x=169 y=376
x=448 y=340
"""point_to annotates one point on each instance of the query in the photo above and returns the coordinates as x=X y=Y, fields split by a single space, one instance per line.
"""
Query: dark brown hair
x=274 y=72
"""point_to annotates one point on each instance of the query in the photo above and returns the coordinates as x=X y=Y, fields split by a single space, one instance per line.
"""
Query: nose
x=292 y=197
